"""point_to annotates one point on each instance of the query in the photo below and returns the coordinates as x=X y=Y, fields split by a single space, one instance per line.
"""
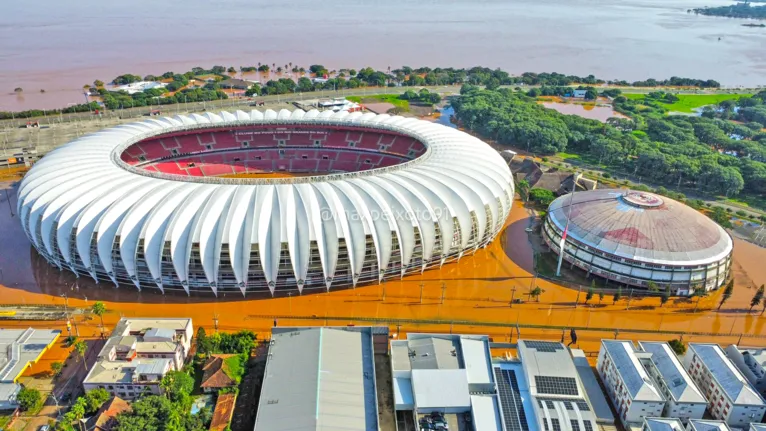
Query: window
x=317 y=143
x=325 y=158
x=245 y=144
x=588 y=425
x=237 y=159
x=142 y=158
x=209 y=147
x=575 y=425
x=568 y=405
x=556 y=425
x=174 y=152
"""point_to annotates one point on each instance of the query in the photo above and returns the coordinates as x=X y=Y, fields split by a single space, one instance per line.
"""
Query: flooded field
x=472 y=295
x=585 y=110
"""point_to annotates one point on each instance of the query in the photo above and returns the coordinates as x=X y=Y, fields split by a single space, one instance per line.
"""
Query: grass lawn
x=687 y=103
x=4 y=421
x=382 y=98
x=566 y=156
x=234 y=367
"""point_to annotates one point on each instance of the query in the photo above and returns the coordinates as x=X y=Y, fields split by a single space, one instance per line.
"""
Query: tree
x=98 y=83
x=652 y=286
x=28 y=398
x=757 y=298
x=94 y=399
x=589 y=295
x=541 y=196
x=232 y=69
x=727 y=292
x=665 y=296
x=177 y=386
x=678 y=346
x=81 y=347
x=203 y=345
x=99 y=309
x=617 y=295
x=523 y=187
x=536 y=292
x=56 y=368
x=600 y=296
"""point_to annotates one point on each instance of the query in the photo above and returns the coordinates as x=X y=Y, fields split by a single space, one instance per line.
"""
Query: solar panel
x=544 y=346
x=575 y=424
x=556 y=385
x=510 y=400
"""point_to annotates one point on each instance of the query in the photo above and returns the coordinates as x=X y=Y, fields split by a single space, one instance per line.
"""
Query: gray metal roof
x=707 y=425
x=757 y=427
x=724 y=372
x=634 y=376
x=641 y=226
x=596 y=398
x=319 y=379
x=664 y=424
x=680 y=385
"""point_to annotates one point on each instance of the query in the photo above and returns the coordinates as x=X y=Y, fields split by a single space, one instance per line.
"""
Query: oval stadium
x=264 y=201
x=637 y=238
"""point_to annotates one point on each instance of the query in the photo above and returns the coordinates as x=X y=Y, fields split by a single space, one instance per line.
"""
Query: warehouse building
x=319 y=379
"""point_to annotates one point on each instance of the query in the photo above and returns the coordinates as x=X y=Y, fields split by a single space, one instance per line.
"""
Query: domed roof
x=641 y=226
x=82 y=194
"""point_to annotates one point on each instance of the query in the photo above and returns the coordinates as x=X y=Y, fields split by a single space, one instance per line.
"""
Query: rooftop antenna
x=566 y=228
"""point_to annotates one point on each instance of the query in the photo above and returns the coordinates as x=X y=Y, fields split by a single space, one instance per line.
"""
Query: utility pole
x=215 y=321
x=444 y=289
x=66 y=312
x=630 y=296
x=421 y=293
x=513 y=293
x=384 y=292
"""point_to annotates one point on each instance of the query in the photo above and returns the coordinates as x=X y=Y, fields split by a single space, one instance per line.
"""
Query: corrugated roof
x=641 y=226
x=731 y=380
x=681 y=386
x=318 y=379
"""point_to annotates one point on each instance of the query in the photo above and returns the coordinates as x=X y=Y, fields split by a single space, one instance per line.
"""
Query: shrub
x=741 y=213
x=541 y=196
x=677 y=346
x=606 y=175
x=28 y=398
x=545 y=159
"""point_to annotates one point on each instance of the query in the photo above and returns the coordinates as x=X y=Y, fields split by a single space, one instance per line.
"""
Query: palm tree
x=727 y=292
x=81 y=348
x=99 y=309
x=536 y=292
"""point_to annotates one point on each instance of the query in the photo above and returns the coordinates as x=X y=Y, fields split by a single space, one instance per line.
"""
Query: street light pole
x=66 y=311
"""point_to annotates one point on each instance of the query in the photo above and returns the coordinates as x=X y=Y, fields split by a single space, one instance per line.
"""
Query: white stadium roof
x=82 y=196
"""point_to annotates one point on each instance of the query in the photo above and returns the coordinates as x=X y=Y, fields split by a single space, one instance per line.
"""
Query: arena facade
x=264 y=201
x=635 y=238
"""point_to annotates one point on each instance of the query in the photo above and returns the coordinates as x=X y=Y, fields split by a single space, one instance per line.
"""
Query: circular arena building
x=635 y=238
x=264 y=201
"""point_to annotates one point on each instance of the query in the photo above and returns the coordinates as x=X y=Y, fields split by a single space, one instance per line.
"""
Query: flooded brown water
x=591 y=111
x=478 y=288
x=60 y=46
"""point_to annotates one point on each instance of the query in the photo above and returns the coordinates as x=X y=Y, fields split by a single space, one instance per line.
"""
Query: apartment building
x=684 y=399
x=752 y=364
x=633 y=393
x=730 y=396
x=138 y=355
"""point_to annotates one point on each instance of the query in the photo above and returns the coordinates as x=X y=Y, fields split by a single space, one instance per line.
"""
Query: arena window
x=174 y=152
x=245 y=144
x=209 y=147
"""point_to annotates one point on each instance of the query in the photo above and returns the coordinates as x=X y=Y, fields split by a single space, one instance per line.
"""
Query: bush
x=741 y=213
x=677 y=346
x=541 y=196
x=606 y=175
x=545 y=159
x=28 y=398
